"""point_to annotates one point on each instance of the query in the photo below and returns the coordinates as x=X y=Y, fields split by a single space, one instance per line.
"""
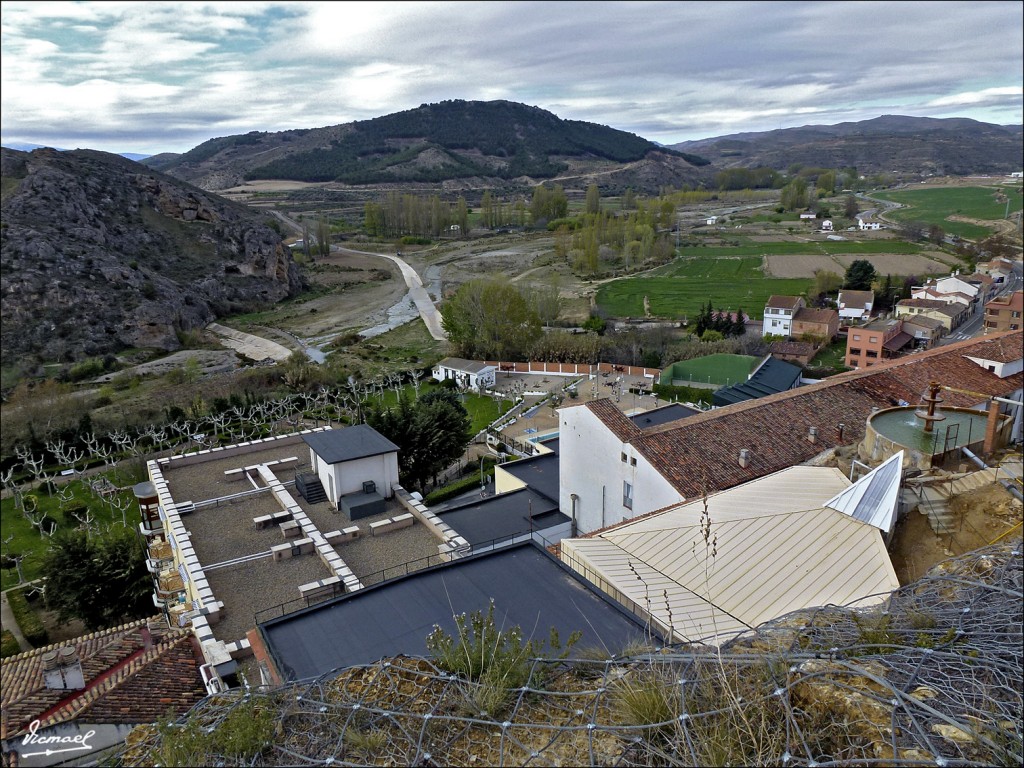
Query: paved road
x=430 y=314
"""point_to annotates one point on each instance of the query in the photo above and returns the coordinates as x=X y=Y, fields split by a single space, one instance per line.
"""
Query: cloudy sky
x=160 y=76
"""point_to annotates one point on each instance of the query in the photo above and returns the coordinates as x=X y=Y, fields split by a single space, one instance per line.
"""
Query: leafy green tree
x=850 y=207
x=859 y=275
x=826 y=283
x=489 y=318
x=794 y=194
x=593 y=199
x=102 y=581
x=826 y=182
x=430 y=434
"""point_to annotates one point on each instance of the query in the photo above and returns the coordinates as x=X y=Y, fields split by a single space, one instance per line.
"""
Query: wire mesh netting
x=933 y=677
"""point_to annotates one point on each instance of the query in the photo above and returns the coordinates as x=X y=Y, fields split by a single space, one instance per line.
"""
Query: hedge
x=31 y=627
x=454 y=489
x=9 y=645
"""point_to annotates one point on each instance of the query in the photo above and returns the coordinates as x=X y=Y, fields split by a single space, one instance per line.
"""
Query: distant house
x=868 y=225
x=804 y=216
x=799 y=352
x=353 y=460
x=778 y=315
x=823 y=323
x=878 y=340
x=712 y=220
x=826 y=225
x=925 y=330
x=950 y=314
x=1003 y=313
x=466 y=373
x=998 y=269
x=855 y=306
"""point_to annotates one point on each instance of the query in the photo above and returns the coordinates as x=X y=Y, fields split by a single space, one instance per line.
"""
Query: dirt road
x=428 y=311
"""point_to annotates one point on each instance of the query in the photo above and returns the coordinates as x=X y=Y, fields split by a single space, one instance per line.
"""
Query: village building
x=467 y=374
x=950 y=314
x=778 y=315
x=1003 y=313
x=881 y=339
x=613 y=470
x=855 y=306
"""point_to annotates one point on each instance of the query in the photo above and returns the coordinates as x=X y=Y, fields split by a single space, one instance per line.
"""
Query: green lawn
x=681 y=288
x=714 y=369
x=26 y=537
x=482 y=409
x=934 y=206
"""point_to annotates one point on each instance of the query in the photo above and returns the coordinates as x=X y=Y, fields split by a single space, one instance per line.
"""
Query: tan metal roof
x=765 y=554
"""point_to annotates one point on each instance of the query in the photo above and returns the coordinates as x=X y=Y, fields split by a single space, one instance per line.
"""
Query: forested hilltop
x=432 y=143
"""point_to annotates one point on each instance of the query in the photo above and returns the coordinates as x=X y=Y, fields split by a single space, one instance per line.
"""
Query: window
x=623 y=457
x=627 y=495
x=1015 y=314
x=854 y=351
x=872 y=353
x=873 y=339
x=856 y=337
x=632 y=460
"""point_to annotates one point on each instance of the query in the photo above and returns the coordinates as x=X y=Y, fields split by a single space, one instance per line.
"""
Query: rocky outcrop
x=100 y=254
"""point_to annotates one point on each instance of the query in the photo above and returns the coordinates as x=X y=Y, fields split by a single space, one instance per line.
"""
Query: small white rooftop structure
x=773 y=548
x=874 y=499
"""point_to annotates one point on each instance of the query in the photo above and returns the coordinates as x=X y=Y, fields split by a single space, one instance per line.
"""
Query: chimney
x=812 y=434
x=744 y=457
x=841 y=428
x=991 y=425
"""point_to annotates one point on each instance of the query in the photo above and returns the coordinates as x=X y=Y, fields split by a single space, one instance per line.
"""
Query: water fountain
x=926 y=432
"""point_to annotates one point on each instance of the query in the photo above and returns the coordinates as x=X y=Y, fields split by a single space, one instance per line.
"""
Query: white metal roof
x=789 y=489
x=759 y=560
x=873 y=498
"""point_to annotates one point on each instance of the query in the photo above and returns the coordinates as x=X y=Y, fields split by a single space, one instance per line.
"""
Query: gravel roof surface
x=199 y=482
x=261 y=584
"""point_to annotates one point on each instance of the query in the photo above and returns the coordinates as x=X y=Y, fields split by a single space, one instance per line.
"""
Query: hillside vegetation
x=432 y=143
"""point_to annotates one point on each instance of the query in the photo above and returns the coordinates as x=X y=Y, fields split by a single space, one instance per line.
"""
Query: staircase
x=310 y=488
x=932 y=495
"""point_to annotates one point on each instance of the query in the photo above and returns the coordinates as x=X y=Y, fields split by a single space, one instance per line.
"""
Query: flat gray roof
x=504 y=516
x=355 y=442
x=530 y=588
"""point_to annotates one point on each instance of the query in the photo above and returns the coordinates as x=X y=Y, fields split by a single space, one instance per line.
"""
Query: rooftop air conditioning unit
x=369 y=487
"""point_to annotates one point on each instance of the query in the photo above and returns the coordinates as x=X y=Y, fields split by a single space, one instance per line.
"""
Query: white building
x=826 y=225
x=471 y=374
x=805 y=216
x=778 y=315
x=712 y=220
x=855 y=306
x=871 y=225
x=346 y=460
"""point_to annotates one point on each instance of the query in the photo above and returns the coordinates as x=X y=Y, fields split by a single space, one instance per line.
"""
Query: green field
x=714 y=369
x=482 y=409
x=934 y=206
x=679 y=289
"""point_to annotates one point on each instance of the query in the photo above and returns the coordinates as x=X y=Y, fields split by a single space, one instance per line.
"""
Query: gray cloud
x=169 y=75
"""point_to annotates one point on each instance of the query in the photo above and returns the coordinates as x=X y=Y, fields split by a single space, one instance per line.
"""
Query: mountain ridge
x=888 y=143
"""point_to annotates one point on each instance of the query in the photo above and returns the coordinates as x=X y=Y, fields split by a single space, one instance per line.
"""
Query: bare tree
x=15 y=558
x=36 y=516
x=416 y=374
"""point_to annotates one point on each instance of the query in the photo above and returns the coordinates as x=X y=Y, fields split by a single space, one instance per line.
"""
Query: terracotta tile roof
x=856 y=299
x=792 y=348
x=701 y=454
x=783 y=302
x=125 y=682
x=617 y=422
x=809 y=315
x=1004 y=349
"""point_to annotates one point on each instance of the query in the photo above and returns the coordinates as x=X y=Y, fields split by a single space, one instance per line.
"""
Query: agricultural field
x=958 y=210
x=679 y=290
x=796 y=266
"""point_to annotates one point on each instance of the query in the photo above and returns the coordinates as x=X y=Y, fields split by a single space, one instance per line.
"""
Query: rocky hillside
x=485 y=141
x=101 y=254
x=888 y=144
